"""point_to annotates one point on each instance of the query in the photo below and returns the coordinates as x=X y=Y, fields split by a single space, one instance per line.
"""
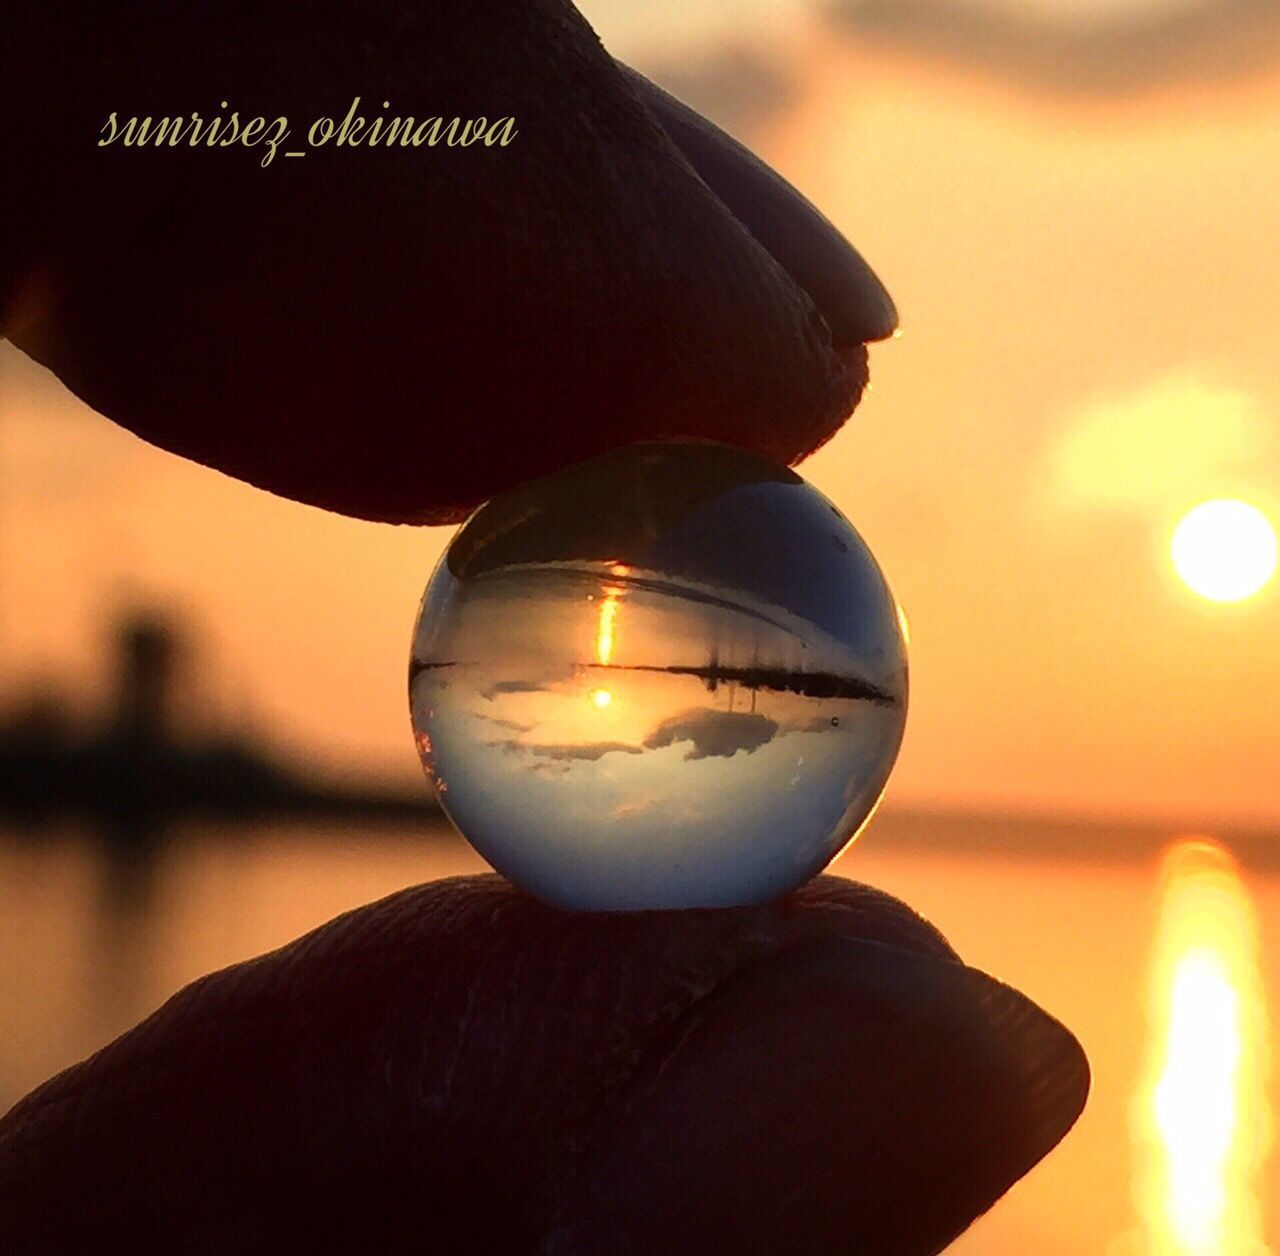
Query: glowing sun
x=1224 y=550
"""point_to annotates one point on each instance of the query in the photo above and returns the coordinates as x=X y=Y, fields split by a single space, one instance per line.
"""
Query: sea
x=1159 y=946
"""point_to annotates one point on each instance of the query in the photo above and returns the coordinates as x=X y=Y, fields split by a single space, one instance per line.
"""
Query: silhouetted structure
x=778 y=679
x=138 y=771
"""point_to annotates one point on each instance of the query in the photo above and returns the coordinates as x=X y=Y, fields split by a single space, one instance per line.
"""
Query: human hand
x=460 y=1067
x=400 y=333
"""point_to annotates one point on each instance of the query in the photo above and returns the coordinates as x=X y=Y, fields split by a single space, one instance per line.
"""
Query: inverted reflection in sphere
x=672 y=676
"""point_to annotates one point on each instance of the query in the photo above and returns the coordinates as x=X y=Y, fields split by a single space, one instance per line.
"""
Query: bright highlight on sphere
x=1224 y=550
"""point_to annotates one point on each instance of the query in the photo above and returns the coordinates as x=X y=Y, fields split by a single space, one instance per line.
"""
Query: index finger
x=398 y=332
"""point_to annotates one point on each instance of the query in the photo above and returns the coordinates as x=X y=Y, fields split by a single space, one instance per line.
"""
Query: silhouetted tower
x=712 y=679
x=146 y=653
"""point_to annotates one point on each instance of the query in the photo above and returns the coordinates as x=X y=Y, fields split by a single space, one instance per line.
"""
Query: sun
x=1224 y=550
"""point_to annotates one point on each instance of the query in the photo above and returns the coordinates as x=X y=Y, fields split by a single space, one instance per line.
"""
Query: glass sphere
x=672 y=676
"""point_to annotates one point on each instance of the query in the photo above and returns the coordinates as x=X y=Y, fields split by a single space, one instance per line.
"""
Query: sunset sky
x=1078 y=224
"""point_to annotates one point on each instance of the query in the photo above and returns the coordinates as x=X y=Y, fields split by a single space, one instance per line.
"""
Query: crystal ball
x=671 y=676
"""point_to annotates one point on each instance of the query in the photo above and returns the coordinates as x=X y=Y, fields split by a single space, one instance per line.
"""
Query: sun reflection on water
x=1201 y=1120
x=605 y=627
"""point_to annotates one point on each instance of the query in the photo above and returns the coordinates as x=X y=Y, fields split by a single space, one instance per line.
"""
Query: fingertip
x=849 y=295
x=846 y=1096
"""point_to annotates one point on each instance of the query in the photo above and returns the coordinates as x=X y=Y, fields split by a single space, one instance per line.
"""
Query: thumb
x=847 y=1096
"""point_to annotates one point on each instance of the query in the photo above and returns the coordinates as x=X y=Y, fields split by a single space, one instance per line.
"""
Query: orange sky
x=1090 y=304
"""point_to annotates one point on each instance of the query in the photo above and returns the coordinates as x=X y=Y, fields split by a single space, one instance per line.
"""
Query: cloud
x=1204 y=43
x=737 y=86
x=589 y=752
x=1178 y=438
x=1198 y=43
x=634 y=807
x=514 y=686
x=550 y=767
x=513 y=726
x=710 y=734
x=713 y=733
x=568 y=752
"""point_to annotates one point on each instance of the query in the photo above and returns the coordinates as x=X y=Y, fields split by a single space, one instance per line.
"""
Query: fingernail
x=847 y=1096
x=850 y=297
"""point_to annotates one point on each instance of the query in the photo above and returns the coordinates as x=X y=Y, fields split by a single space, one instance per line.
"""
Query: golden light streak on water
x=1201 y=1121
x=605 y=628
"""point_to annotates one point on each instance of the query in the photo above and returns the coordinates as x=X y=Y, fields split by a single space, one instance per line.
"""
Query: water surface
x=1164 y=965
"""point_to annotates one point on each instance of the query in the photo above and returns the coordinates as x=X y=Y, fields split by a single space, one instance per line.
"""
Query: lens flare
x=1201 y=1121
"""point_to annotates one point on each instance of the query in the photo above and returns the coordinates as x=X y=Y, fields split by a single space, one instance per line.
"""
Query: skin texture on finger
x=845 y=1097
x=391 y=332
x=448 y=1069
